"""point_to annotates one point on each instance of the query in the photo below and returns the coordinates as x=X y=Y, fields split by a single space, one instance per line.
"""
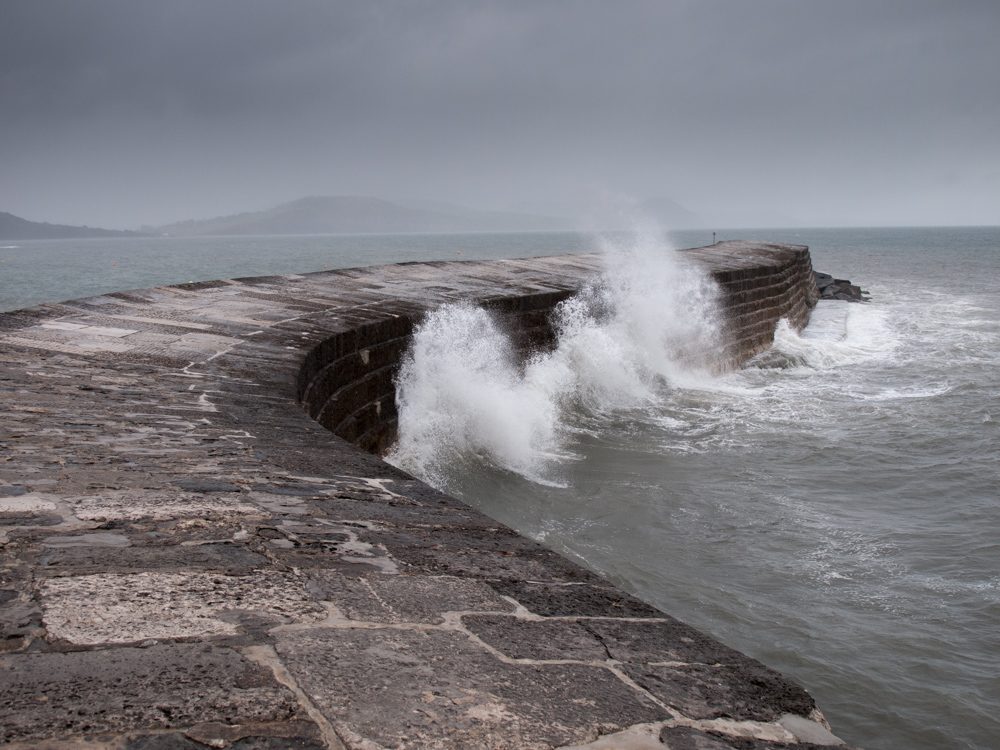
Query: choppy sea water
x=832 y=509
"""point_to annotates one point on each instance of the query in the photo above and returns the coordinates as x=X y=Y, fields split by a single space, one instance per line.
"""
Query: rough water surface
x=831 y=508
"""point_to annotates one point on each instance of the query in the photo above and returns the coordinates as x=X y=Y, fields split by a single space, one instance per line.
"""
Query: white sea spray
x=650 y=321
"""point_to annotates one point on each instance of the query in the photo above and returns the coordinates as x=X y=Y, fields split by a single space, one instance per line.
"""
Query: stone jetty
x=200 y=547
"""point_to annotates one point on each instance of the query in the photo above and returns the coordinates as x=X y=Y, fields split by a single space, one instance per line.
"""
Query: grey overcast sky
x=123 y=112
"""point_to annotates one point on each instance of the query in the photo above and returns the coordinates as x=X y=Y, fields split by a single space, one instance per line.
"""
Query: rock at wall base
x=839 y=289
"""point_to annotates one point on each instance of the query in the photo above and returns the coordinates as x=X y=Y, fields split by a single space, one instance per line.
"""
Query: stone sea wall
x=189 y=558
x=346 y=383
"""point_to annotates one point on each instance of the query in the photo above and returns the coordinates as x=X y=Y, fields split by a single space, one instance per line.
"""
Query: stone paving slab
x=127 y=689
x=106 y=608
x=538 y=640
x=223 y=557
x=661 y=640
x=405 y=598
x=687 y=738
x=423 y=689
x=592 y=598
x=131 y=505
x=749 y=691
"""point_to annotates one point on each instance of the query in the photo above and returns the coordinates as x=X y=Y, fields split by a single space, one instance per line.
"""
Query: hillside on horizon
x=15 y=228
x=362 y=215
x=346 y=214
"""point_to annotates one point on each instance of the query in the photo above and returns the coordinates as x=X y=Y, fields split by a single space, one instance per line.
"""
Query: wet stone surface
x=749 y=691
x=556 y=599
x=178 y=741
x=188 y=559
x=402 y=687
x=537 y=639
x=490 y=553
x=665 y=640
x=110 y=691
x=107 y=608
x=225 y=557
x=686 y=738
x=405 y=598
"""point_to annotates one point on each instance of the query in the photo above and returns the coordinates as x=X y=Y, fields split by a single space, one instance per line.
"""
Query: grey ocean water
x=832 y=509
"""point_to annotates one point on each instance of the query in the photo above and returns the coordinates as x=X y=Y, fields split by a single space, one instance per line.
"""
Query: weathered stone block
x=666 y=640
x=419 y=689
x=128 y=608
x=537 y=639
x=749 y=691
x=496 y=553
x=124 y=689
x=404 y=598
x=228 y=559
x=558 y=600
x=688 y=738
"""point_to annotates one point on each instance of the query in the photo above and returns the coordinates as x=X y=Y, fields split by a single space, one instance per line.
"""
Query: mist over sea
x=831 y=509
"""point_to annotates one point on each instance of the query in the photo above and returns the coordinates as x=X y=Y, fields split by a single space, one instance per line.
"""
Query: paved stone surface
x=131 y=505
x=399 y=599
x=198 y=546
x=125 y=689
x=749 y=691
x=537 y=639
x=402 y=688
x=113 y=608
x=661 y=641
x=96 y=539
x=223 y=557
x=686 y=738
x=557 y=599
x=178 y=741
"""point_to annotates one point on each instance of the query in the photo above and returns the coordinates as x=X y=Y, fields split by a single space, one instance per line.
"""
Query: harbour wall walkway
x=199 y=545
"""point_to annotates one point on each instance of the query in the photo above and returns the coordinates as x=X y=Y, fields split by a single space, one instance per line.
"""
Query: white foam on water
x=838 y=334
x=894 y=394
x=801 y=380
x=649 y=321
x=636 y=348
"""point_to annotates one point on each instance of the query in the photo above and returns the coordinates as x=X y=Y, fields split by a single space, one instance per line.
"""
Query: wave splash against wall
x=650 y=321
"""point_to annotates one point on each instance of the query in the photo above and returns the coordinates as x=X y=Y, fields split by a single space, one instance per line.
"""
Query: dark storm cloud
x=868 y=112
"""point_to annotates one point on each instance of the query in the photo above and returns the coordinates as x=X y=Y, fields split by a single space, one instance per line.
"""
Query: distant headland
x=15 y=228
x=355 y=214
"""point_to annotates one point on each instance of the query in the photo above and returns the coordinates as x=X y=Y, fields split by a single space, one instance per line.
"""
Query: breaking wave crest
x=648 y=323
x=838 y=334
